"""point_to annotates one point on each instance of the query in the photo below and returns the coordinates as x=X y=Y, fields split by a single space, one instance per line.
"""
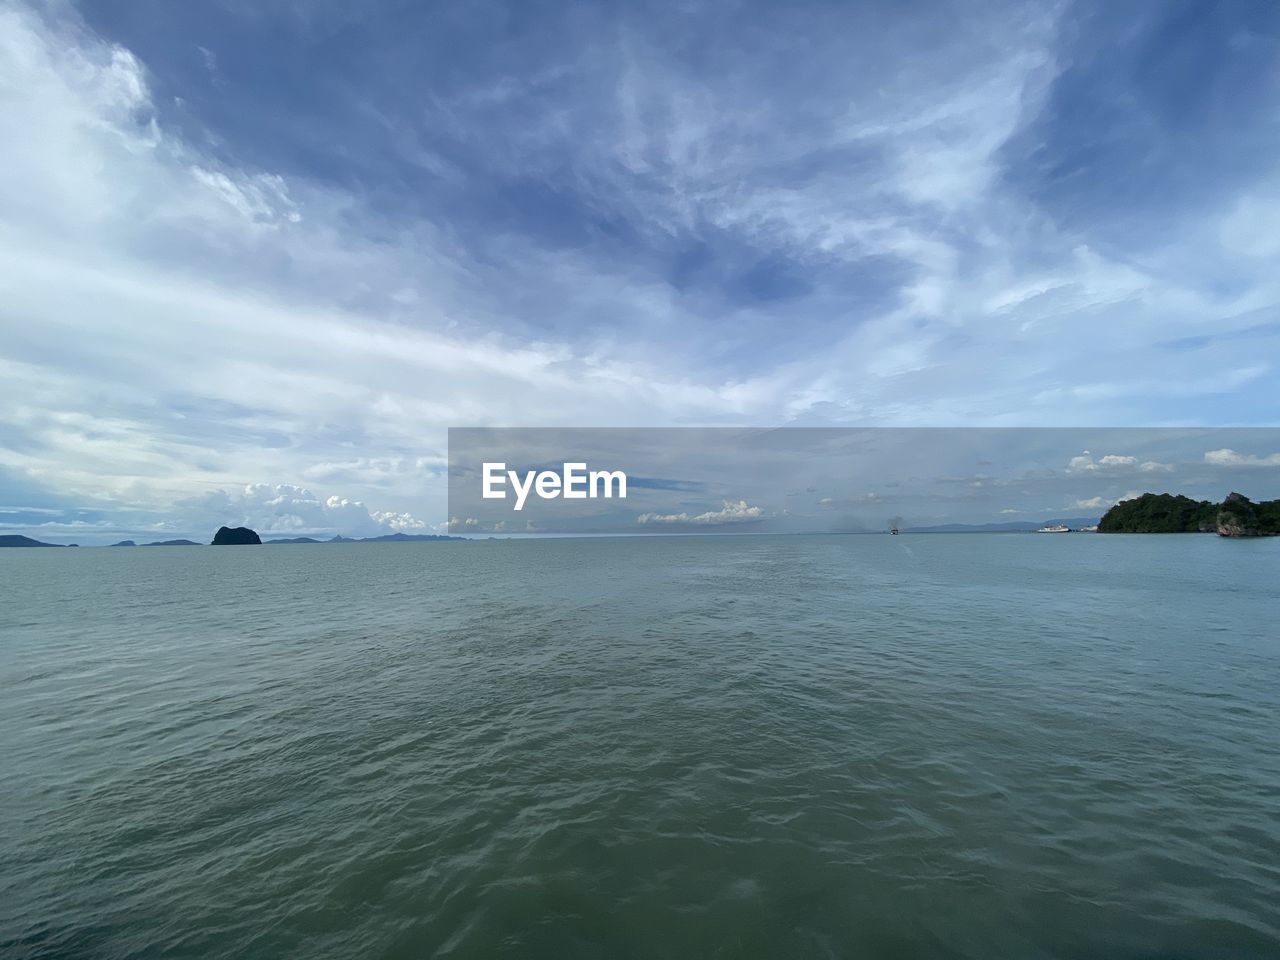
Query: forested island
x=1236 y=516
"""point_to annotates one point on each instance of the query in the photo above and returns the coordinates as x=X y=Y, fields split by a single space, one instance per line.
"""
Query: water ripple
x=977 y=747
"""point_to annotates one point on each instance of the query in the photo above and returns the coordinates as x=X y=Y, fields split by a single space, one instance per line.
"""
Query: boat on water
x=1056 y=528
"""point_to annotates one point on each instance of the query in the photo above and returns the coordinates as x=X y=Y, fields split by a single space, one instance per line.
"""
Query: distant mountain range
x=14 y=540
x=385 y=538
x=1012 y=526
x=1016 y=526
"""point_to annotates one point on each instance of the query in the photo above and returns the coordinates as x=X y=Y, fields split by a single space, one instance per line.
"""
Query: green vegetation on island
x=1236 y=516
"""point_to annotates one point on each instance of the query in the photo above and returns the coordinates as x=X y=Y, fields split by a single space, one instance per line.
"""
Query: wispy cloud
x=1229 y=458
x=1114 y=463
x=288 y=509
x=732 y=512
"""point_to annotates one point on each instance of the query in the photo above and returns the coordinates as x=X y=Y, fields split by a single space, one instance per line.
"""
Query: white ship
x=1056 y=528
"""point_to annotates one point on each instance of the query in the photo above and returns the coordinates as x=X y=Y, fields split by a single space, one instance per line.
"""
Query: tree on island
x=1236 y=516
x=1241 y=517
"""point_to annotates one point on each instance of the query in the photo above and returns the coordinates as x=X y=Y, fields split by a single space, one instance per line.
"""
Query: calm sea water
x=921 y=746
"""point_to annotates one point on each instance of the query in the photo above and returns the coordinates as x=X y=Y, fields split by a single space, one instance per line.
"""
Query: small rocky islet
x=235 y=536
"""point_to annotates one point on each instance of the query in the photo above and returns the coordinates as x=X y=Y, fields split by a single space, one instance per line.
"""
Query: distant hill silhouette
x=385 y=538
x=1011 y=526
x=407 y=538
x=15 y=540
x=235 y=536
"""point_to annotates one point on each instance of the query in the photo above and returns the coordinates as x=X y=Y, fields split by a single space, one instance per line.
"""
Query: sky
x=257 y=256
x=733 y=480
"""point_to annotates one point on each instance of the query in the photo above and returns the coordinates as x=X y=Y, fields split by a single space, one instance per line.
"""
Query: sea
x=921 y=746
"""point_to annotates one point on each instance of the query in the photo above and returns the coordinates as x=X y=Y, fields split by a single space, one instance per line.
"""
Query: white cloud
x=154 y=344
x=1093 y=503
x=1229 y=458
x=1250 y=227
x=1115 y=463
x=400 y=522
x=731 y=512
x=1103 y=503
x=174 y=320
x=275 y=509
x=261 y=199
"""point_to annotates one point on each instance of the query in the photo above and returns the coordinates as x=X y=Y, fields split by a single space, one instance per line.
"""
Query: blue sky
x=256 y=257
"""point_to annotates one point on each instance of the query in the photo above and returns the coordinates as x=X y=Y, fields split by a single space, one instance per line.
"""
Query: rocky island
x=1236 y=516
x=235 y=536
x=1240 y=517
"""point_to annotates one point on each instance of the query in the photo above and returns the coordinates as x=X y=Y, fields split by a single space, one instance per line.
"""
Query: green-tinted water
x=922 y=746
